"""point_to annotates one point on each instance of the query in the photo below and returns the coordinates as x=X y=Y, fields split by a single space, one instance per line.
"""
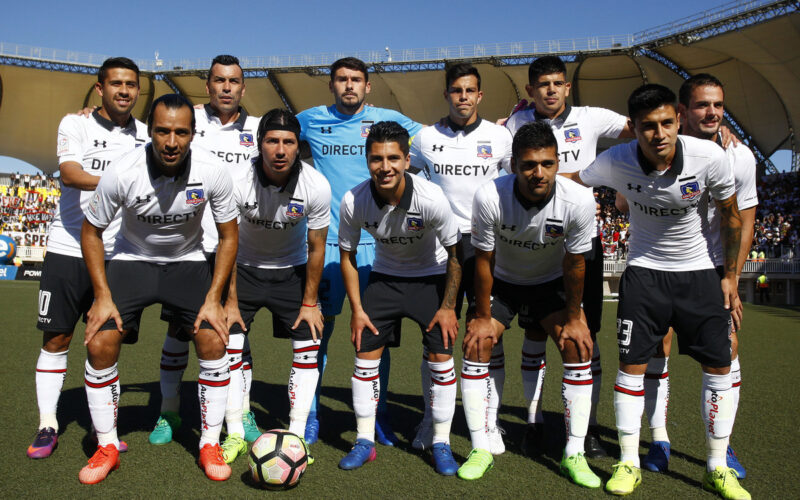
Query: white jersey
x=577 y=131
x=93 y=142
x=273 y=220
x=530 y=240
x=410 y=237
x=231 y=147
x=668 y=233
x=161 y=216
x=460 y=159
x=743 y=165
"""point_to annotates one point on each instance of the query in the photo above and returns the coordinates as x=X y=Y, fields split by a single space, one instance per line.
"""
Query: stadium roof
x=750 y=46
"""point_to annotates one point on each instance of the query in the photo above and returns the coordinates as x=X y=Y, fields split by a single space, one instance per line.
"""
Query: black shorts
x=388 y=299
x=178 y=286
x=533 y=303
x=65 y=293
x=280 y=291
x=467 y=287
x=691 y=302
x=169 y=316
x=593 y=286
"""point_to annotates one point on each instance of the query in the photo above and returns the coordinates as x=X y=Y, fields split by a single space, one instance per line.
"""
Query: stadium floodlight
x=388 y=54
x=159 y=62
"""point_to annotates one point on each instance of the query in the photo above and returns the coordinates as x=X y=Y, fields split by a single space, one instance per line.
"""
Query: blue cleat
x=733 y=463
x=363 y=451
x=443 y=460
x=312 y=429
x=657 y=459
x=383 y=431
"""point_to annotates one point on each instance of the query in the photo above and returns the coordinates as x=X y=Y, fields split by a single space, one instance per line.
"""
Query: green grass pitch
x=765 y=436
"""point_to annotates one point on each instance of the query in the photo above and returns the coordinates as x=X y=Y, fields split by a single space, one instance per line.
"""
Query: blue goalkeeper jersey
x=337 y=145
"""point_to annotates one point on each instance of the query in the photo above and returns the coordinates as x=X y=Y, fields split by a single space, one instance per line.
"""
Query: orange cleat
x=213 y=464
x=104 y=460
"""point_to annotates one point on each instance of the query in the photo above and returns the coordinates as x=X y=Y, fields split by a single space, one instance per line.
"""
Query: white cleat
x=496 y=444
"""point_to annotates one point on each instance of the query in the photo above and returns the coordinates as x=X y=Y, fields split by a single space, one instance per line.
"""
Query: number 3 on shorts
x=624 y=327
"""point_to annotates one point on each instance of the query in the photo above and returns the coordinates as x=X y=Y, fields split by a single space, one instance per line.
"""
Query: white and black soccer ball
x=278 y=459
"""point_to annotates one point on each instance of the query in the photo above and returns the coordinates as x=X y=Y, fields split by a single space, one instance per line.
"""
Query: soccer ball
x=278 y=460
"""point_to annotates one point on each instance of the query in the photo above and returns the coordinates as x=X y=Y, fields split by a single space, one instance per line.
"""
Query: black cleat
x=533 y=440
x=593 y=445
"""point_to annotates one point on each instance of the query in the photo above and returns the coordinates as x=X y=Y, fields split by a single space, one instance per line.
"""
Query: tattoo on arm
x=731 y=232
x=574 y=271
x=453 y=278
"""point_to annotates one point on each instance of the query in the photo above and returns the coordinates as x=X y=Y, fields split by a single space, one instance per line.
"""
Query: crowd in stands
x=27 y=205
x=28 y=202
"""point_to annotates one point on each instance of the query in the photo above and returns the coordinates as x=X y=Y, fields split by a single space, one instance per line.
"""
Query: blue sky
x=202 y=29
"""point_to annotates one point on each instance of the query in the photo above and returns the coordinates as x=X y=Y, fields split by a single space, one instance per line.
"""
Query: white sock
x=597 y=382
x=656 y=397
x=475 y=393
x=717 y=404
x=174 y=358
x=303 y=377
x=425 y=379
x=247 y=374
x=233 y=408
x=366 y=392
x=628 y=408
x=497 y=377
x=102 y=393
x=212 y=392
x=534 y=363
x=443 y=398
x=576 y=394
x=736 y=383
x=51 y=370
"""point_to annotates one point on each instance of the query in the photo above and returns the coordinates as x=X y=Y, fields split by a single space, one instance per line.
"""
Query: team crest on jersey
x=194 y=196
x=690 y=190
x=294 y=210
x=553 y=230
x=572 y=135
x=484 y=150
x=414 y=223
x=365 y=126
x=245 y=139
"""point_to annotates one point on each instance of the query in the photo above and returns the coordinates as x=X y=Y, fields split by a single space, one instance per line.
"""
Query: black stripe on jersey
x=194 y=184
x=140 y=140
x=295 y=199
x=554 y=220
x=413 y=213
x=687 y=178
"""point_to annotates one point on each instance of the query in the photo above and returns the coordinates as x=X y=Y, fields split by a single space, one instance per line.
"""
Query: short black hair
x=533 y=135
x=350 y=63
x=545 y=65
x=388 y=132
x=456 y=71
x=649 y=97
x=116 y=62
x=170 y=101
x=225 y=60
x=698 y=80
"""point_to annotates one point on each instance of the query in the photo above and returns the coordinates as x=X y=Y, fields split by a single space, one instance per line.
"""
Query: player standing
x=225 y=132
x=535 y=226
x=701 y=109
x=86 y=147
x=161 y=192
x=416 y=274
x=284 y=207
x=460 y=153
x=670 y=278
x=336 y=135
x=577 y=130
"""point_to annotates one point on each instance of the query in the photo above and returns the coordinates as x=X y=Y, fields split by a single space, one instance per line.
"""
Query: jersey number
x=44 y=302
x=624 y=327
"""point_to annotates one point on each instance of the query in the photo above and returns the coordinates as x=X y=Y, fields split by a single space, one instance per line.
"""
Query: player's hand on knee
x=101 y=311
x=479 y=332
x=358 y=322
x=446 y=318
x=312 y=316
x=577 y=331
x=213 y=314
x=233 y=315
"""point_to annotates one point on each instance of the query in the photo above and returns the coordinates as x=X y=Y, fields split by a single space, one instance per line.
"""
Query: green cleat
x=309 y=457
x=168 y=422
x=723 y=482
x=625 y=479
x=578 y=471
x=251 y=432
x=233 y=447
x=478 y=463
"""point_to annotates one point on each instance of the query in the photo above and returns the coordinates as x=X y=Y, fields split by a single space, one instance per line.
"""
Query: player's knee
x=570 y=353
x=436 y=357
x=102 y=352
x=56 y=342
x=208 y=345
